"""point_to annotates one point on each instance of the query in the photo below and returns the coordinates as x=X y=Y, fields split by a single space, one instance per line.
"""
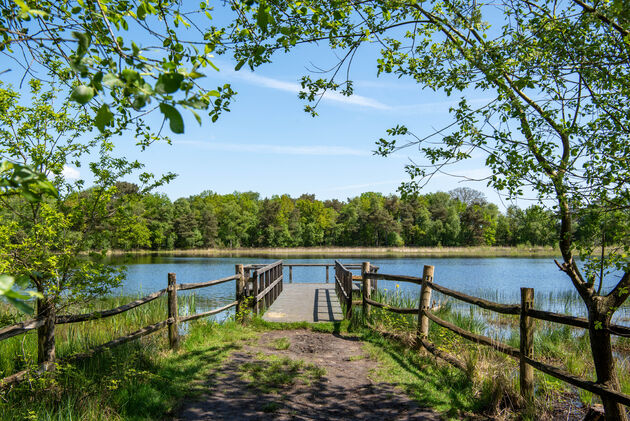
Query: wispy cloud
x=258 y=148
x=365 y=185
x=271 y=83
x=70 y=173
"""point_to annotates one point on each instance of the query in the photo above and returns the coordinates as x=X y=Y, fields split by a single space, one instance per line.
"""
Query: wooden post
x=425 y=302
x=527 y=345
x=46 y=333
x=240 y=288
x=173 y=333
x=256 y=303
x=367 y=288
x=290 y=274
x=348 y=288
x=327 y=275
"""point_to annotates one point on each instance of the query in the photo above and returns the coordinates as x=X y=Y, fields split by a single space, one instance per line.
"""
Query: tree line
x=461 y=217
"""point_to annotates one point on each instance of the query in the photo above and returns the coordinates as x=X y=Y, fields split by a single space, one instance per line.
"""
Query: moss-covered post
x=425 y=302
x=367 y=288
x=173 y=333
x=527 y=344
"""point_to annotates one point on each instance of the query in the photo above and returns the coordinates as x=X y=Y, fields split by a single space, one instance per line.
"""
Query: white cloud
x=321 y=150
x=70 y=173
x=281 y=85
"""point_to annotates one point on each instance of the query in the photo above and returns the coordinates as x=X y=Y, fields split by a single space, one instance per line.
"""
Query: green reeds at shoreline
x=558 y=345
x=476 y=251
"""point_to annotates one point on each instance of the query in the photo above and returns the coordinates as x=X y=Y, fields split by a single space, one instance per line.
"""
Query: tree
x=557 y=75
x=116 y=72
x=46 y=241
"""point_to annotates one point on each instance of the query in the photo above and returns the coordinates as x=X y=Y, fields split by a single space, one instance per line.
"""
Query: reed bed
x=494 y=374
x=20 y=352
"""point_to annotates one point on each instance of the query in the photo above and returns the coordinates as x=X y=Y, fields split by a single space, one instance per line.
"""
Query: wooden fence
x=263 y=287
x=525 y=311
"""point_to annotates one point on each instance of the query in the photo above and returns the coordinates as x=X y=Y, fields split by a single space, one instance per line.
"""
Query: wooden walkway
x=305 y=303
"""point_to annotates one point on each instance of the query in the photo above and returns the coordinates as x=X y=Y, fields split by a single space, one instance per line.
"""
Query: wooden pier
x=311 y=303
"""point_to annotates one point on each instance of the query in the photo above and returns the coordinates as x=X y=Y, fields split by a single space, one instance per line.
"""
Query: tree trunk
x=46 y=333
x=601 y=348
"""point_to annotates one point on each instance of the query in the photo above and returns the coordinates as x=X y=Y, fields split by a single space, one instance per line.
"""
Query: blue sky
x=268 y=144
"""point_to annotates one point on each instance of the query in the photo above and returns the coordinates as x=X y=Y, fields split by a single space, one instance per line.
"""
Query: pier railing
x=525 y=311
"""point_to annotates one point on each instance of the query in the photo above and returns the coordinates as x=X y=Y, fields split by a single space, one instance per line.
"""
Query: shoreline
x=478 y=251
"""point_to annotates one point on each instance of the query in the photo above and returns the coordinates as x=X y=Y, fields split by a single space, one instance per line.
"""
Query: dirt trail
x=300 y=391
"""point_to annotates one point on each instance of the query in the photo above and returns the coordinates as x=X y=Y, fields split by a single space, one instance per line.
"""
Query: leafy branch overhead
x=125 y=58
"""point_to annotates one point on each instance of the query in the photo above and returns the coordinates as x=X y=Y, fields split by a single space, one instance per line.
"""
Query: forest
x=461 y=217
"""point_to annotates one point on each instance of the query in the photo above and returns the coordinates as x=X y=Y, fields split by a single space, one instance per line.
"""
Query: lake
x=497 y=279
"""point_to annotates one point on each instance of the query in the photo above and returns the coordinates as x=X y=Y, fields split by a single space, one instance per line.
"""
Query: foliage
x=44 y=241
x=209 y=219
x=121 y=56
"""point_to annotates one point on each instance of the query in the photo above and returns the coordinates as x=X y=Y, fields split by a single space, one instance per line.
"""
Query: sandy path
x=345 y=392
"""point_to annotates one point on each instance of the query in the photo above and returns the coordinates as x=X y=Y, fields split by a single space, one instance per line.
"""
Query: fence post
x=425 y=302
x=367 y=288
x=255 y=303
x=290 y=274
x=327 y=276
x=240 y=288
x=349 y=291
x=173 y=333
x=527 y=344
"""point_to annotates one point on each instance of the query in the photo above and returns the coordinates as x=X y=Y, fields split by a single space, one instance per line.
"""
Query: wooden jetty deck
x=305 y=303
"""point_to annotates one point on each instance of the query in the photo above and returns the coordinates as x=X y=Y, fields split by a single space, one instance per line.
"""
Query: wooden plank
x=576 y=381
x=183 y=287
x=19 y=328
x=391 y=308
x=123 y=339
x=269 y=266
x=473 y=337
x=564 y=319
x=70 y=318
x=343 y=291
x=479 y=302
x=390 y=277
x=208 y=313
x=261 y=294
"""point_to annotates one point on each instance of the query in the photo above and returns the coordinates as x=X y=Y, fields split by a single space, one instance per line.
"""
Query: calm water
x=497 y=279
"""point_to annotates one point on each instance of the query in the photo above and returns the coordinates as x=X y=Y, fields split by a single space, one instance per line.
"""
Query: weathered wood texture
x=173 y=332
x=526 y=325
x=183 y=287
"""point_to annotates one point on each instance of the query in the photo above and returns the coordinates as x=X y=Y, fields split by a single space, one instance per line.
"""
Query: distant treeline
x=461 y=217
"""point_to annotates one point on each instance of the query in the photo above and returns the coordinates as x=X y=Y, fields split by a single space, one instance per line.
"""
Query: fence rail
x=171 y=322
x=526 y=313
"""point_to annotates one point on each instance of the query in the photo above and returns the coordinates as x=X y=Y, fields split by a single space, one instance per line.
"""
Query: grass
x=493 y=376
x=477 y=251
x=273 y=374
x=281 y=344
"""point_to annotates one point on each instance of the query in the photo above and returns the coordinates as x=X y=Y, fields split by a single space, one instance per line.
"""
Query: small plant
x=281 y=344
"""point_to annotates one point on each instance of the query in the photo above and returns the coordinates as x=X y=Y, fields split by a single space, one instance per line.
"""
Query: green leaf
x=20 y=305
x=176 y=123
x=104 y=117
x=141 y=12
x=240 y=64
x=6 y=283
x=83 y=43
x=168 y=83
x=82 y=94
x=112 y=80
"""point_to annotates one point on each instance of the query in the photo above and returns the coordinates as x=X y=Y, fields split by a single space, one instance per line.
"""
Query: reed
x=495 y=375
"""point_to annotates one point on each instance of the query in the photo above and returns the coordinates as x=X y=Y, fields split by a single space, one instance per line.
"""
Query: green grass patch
x=137 y=381
x=281 y=344
x=272 y=374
